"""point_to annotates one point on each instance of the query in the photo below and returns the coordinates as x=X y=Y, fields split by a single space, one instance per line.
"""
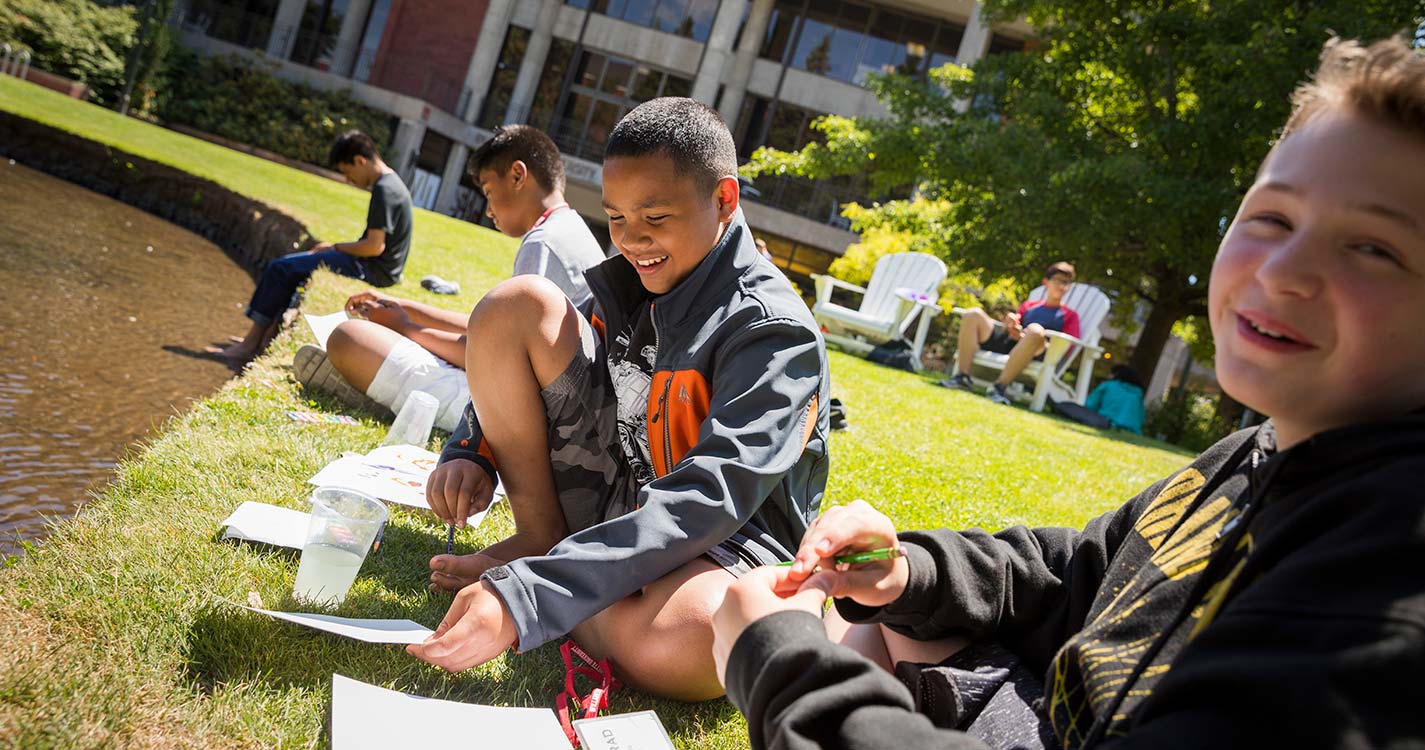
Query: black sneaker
x=960 y=382
x=837 y=416
x=996 y=394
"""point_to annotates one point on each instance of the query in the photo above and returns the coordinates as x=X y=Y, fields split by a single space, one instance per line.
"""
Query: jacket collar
x=616 y=286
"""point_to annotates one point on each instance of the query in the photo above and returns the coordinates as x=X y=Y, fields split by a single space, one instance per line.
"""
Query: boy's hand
x=1013 y=326
x=379 y=308
x=476 y=629
x=761 y=592
x=841 y=531
x=457 y=489
x=357 y=303
x=320 y=246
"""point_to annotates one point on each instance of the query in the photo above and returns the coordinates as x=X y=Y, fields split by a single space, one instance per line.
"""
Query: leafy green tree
x=1122 y=139
x=77 y=39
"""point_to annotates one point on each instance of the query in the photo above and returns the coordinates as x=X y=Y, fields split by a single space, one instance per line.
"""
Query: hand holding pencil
x=852 y=552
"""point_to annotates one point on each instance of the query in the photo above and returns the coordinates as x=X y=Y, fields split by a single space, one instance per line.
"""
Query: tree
x=1123 y=139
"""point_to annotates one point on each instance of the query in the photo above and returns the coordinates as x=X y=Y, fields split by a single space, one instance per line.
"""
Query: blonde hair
x=1384 y=81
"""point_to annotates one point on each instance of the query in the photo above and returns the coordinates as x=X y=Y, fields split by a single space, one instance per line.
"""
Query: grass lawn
x=113 y=629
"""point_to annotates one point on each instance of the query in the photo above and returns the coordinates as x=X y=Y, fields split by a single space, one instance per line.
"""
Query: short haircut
x=349 y=145
x=513 y=143
x=688 y=132
x=1385 y=82
x=1062 y=268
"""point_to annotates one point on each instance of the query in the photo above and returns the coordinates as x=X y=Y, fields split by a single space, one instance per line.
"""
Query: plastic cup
x=344 y=523
x=414 y=421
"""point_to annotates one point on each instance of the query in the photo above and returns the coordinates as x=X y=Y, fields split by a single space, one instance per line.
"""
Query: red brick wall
x=426 y=48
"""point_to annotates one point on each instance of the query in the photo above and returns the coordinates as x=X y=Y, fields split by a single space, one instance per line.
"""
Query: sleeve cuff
x=921 y=584
x=759 y=643
x=520 y=606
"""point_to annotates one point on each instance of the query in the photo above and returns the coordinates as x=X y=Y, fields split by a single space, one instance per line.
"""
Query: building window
x=371 y=39
x=603 y=89
x=551 y=83
x=317 y=33
x=849 y=41
x=246 y=23
x=502 y=84
x=688 y=18
x=1000 y=43
x=797 y=261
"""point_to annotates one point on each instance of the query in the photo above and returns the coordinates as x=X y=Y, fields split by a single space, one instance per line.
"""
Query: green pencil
x=885 y=553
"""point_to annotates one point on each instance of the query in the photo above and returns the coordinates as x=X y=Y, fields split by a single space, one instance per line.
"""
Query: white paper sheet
x=260 y=522
x=367 y=630
x=366 y=717
x=641 y=730
x=323 y=325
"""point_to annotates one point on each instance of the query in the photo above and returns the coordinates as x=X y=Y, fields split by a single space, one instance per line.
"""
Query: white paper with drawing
x=395 y=473
x=361 y=629
x=366 y=717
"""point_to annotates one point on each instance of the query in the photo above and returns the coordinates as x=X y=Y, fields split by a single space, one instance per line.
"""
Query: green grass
x=113 y=632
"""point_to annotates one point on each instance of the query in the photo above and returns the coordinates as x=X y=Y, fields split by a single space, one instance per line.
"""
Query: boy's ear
x=519 y=173
x=727 y=196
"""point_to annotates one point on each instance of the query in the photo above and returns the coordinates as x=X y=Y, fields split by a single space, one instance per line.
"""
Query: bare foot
x=455 y=572
x=236 y=353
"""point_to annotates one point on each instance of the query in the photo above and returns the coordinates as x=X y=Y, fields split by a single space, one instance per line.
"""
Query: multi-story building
x=452 y=70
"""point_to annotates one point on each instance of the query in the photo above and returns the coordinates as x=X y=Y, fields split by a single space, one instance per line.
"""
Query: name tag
x=635 y=731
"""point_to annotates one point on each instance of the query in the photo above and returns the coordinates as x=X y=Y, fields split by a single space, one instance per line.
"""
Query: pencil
x=885 y=553
x=450 y=540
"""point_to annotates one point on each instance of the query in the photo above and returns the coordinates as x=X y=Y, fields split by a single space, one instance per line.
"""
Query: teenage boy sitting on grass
x=1023 y=337
x=654 y=444
x=404 y=346
x=1268 y=595
x=378 y=258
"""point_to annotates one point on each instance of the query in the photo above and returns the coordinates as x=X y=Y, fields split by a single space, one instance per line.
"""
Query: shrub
x=77 y=39
x=243 y=101
x=1186 y=419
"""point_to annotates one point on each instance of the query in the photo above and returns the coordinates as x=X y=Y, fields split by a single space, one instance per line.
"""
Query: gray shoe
x=960 y=382
x=996 y=394
x=315 y=371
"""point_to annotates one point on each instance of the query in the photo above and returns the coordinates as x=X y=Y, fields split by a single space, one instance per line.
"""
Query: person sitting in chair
x=1023 y=337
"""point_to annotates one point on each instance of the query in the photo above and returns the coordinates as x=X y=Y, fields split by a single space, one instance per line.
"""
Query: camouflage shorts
x=591 y=472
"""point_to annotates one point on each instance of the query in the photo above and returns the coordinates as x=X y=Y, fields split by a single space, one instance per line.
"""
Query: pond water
x=101 y=336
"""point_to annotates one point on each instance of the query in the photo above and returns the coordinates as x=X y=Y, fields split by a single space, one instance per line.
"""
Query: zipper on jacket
x=662 y=412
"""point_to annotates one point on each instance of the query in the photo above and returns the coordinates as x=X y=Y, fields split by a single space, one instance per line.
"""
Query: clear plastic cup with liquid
x=414 y=421
x=343 y=526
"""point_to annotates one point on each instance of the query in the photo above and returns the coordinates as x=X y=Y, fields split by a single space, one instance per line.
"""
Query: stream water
x=106 y=313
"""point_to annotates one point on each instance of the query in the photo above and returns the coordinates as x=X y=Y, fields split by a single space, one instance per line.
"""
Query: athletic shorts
x=410 y=367
x=985 y=691
x=591 y=472
x=999 y=342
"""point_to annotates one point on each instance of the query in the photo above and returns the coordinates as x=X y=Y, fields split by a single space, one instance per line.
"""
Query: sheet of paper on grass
x=366 y=717
x=367 y=630
x=260 y=522
x=395 y=473
x=641 y=730
x=323 y=325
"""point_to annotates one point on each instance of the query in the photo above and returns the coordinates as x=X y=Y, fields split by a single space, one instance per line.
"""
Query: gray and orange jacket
x=744 y=453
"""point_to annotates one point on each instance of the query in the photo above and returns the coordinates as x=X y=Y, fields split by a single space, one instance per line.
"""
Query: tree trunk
x=1156 y=331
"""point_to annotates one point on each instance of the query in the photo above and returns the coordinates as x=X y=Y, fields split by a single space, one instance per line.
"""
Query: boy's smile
x=1317 y=297
x=662 y=222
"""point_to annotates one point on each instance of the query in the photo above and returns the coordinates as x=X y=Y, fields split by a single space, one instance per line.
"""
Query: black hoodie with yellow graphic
x=1254 y=599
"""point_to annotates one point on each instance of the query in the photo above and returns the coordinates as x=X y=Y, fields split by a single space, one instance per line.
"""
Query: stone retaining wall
x=250 y=232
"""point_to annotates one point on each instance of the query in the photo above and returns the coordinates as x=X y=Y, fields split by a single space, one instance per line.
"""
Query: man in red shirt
x=1023 y=336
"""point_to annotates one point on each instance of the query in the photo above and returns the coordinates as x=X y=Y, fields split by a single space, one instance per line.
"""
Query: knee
x=519 y=304
x=1034 y=332
x=346 y=339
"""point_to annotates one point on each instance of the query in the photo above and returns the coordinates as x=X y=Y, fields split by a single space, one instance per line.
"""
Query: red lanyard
x=598 y=698
x=547 y=213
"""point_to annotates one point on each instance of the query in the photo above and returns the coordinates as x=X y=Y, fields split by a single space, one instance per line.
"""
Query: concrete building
x=452 y=70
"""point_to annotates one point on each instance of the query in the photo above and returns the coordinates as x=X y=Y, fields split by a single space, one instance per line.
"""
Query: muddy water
x=105 y=313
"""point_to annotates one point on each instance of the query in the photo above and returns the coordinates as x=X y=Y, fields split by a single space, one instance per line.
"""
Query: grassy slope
x=113 y=633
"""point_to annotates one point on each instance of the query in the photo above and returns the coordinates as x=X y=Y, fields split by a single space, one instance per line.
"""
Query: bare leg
x=526 y=332
x=248 y=346
x=357 y=348
x=975 y=327
x=660 y=639
x=1029 y=347
x=886 y=647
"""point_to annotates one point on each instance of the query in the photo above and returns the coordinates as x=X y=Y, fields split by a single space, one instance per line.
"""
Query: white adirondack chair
x=1063 y=350
x=902 y=286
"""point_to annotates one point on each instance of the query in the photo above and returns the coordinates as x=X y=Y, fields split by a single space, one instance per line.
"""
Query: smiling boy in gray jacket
x=654 y=443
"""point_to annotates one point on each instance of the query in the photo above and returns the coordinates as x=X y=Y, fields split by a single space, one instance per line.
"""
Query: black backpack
x=894 y=353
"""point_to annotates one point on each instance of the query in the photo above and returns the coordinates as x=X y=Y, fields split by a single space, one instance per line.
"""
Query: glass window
x=676 y=86
x=947 y=45
x=371 y=39
x=1005 y=44
x=884 y=51
x=616 y=75
x=591 y=66
x=502 y=84
x=779 y=29
x=638 y=11
x=690 y=18
x=435 y=151
x=551 y=82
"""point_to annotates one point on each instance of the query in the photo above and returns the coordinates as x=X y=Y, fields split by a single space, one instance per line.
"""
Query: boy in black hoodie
x=1271 y=594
